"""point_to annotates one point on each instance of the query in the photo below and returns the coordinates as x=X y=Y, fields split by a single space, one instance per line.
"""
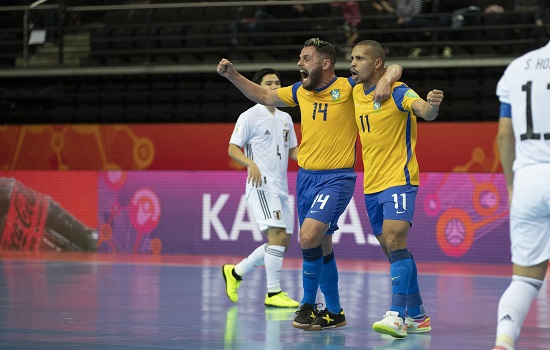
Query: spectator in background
x=494 y=16
x=531 y=12
x=272 y=18
x=444 y=10
x=495 y=20
x=264 y=21
x=385 y=10
x=383 y=7
x=532 y=9
x=352 y=18
x=317 y=17
x=409 y=20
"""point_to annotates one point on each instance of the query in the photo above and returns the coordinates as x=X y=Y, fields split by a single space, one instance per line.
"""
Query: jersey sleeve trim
x=398 y=95
x=505 y=110
x=295 y=88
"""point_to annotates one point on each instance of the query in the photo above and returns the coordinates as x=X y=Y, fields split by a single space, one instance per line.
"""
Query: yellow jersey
x=388 y=137
x=329 y=132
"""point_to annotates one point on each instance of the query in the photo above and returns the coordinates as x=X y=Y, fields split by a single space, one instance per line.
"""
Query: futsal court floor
x=95 y=301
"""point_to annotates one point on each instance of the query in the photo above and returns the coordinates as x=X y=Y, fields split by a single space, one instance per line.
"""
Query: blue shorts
x=394 y=203
x=323 y=195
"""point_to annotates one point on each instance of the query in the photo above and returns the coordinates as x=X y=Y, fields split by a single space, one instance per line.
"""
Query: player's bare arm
x=391 y=74
x=293 y=153
x=252 y=91
x=254 y=173
x=507 y=149
x=429 y=109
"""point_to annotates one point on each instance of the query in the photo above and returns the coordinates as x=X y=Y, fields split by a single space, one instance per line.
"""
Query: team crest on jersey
x=335 y=94
x=286 y=135
x=277 y=214
x=411 y=94
x=376 y=105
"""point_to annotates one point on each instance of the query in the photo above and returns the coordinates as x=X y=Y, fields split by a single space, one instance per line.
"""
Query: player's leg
x=401 y=208
x=311 y=234
x=310 y=243
x=397 y=207
x=332 y=201
x=393 y=239
x=530 y=242
x=417 y=320
x=515 y=302
x=322 y=197
x=329 y=287
x=273 y=260
x=391 y=323
x=394 y=234
x=328 y=282
x=233 y=274
x=278 y=243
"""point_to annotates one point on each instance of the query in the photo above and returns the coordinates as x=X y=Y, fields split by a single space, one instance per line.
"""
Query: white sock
x=255 y=259
x=273 y=266
x=513 y=307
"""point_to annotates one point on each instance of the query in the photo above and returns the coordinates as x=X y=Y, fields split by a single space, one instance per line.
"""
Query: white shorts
x=530 y=215
x=270 y=210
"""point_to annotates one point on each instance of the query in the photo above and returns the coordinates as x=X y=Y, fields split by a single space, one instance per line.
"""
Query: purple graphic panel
x=459 y=217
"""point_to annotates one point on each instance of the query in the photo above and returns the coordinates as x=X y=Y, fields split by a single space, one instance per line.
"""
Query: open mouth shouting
x=354 y=75
x=304 y=75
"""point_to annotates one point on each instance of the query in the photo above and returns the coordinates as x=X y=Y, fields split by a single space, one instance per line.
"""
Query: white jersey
x=266 y=139
x=525 y=86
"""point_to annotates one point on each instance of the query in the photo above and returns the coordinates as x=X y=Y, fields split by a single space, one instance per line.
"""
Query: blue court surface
x=108 y=302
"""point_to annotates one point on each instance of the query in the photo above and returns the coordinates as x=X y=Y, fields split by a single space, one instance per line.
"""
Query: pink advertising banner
x=461 y=217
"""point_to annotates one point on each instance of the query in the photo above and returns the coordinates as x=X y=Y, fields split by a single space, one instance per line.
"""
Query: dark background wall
x=108 y=61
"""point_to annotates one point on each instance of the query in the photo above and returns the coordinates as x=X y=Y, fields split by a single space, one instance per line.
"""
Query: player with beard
x=326 y=178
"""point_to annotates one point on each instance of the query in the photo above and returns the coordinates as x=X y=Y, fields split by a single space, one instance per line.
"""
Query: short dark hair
x=324 y=47
x=376 y=48
x=257 y=78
